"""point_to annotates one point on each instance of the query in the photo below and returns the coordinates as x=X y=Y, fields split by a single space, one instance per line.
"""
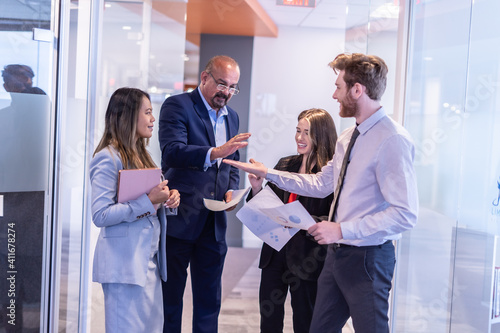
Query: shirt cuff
x=208 y=162
x=347 y=233
x=273 y=175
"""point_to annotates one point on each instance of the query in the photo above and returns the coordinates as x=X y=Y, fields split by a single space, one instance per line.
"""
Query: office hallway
x=240 y=303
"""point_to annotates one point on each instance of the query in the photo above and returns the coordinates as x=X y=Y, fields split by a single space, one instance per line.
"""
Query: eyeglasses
x=222 y=87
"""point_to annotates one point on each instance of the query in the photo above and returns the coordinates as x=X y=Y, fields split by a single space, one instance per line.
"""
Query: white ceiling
x=330 y=14
x=327 y=14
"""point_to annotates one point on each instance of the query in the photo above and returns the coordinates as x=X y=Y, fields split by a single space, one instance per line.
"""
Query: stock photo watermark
x=11 y=273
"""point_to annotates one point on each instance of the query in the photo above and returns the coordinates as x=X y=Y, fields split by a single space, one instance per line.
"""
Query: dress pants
x=205 y=257
x=276 y=279
x=355 y=282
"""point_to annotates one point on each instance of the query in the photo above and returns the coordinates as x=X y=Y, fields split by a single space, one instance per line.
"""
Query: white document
x=263 y=225
x=217 y=206
x=292 y=214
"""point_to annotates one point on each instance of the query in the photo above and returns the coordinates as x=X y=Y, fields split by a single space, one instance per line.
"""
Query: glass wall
x=437 y=78
x=104 y=46
x=372 y=28
x=141 y=45
x=72 y=144
x=446 y=269
x=476 y=299
x=26 y=119
x=100 y=46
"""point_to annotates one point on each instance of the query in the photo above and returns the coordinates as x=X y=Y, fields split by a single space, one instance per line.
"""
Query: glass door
x=141 y=44
x=26 y=118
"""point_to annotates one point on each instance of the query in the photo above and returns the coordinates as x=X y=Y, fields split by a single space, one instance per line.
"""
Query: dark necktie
x=340 y=181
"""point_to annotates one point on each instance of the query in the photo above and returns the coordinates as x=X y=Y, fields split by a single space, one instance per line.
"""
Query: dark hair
x=17 y=78
x=368 y=70
x=323 y=136
x=120 y=129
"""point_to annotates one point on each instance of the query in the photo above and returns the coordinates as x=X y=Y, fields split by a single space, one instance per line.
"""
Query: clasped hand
x=162 y=194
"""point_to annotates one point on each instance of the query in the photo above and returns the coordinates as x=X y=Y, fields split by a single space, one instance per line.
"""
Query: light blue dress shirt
x=220 y=130
x=379 y=198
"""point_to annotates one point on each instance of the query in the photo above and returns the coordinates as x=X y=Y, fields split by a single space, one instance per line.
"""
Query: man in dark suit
x=196 y=131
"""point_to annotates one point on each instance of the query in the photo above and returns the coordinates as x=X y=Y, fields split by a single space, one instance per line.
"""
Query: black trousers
x=355 y=282
x=276 y=280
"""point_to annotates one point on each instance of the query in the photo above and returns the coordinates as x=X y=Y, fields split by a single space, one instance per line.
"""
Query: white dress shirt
x=379 y=198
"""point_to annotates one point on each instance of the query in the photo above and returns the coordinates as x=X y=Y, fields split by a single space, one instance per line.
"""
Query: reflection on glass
x=24 y=125
x=25 y=113
x=19 y=79
x=70 y=172
x=451 y=112
x=372 y=28
x=24 y=168
x=437 y=73
x=143 y=46
x=477 y=305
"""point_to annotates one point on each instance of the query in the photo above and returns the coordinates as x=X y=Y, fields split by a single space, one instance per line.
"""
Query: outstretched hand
x=254 y=167
x=235 y=143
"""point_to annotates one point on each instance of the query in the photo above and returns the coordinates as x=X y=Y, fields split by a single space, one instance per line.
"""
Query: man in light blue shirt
x=196 y=130
x=377 y=202
x=218 y=120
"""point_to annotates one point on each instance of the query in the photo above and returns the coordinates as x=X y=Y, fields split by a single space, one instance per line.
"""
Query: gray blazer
x=124 y=245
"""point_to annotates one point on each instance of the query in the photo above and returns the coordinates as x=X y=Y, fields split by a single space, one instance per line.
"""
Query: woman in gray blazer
x=126 y=261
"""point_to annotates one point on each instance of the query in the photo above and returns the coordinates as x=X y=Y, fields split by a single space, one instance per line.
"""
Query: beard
x=348 y=107
x=216 y=100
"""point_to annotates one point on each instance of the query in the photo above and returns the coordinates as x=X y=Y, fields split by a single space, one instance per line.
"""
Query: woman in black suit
x=297 y=265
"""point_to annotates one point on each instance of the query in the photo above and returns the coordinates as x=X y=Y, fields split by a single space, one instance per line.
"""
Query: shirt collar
x=223 y=110
x=371 y=121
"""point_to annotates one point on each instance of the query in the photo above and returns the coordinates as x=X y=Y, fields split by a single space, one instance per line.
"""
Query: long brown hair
x=323 y=136
x=120 y=129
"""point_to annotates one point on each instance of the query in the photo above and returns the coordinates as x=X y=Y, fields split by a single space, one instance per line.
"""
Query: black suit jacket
x=304 y=257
